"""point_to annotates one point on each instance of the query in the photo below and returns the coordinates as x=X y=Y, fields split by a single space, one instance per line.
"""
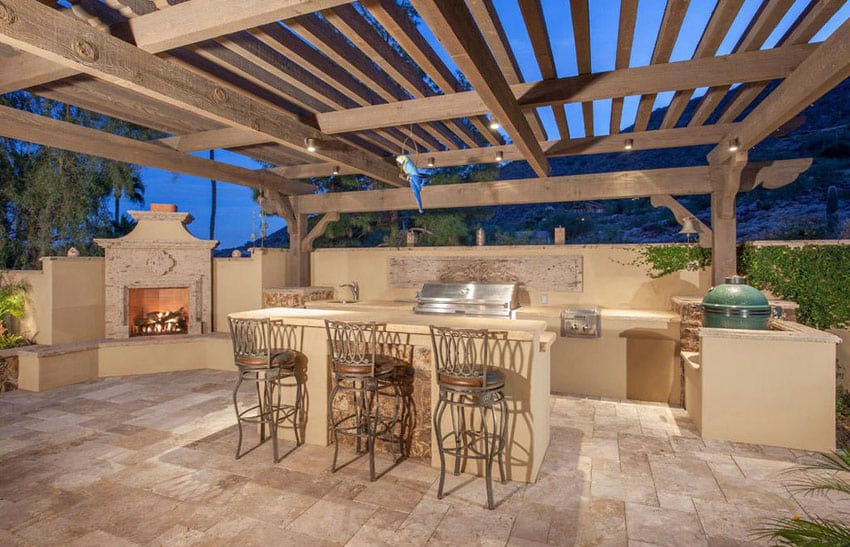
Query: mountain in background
x=796 y=211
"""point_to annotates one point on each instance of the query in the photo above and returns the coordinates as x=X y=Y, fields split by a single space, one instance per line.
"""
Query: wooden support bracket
x=318 y=230
x=773 y=175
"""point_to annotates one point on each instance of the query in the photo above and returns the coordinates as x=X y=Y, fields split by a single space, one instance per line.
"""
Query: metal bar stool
x=261 y=360
x=469 y=386
x=365 y=374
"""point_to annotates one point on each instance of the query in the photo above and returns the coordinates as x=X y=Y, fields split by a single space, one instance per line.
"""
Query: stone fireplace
x=158 y=277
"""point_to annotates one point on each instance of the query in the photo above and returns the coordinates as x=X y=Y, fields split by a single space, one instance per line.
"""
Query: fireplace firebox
x=158 y=310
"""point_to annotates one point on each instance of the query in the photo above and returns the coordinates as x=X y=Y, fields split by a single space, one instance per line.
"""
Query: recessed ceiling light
x=310 y=144
x=629 y=144
x=734 y=145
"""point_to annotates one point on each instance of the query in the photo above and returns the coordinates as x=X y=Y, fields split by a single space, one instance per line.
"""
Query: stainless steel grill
x=488 y=299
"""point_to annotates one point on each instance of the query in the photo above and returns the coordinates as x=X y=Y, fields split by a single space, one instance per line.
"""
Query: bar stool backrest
x=462 y=353
x=352 y=343
x=251 y=338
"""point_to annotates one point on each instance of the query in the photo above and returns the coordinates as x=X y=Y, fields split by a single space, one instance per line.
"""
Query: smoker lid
x=467 y=291
x=735 y=294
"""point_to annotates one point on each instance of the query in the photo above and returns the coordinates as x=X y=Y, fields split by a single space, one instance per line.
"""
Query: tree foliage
x=437 y=227
x=52 y=199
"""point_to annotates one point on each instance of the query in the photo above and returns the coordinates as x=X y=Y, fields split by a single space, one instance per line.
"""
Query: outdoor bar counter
x=522 y=353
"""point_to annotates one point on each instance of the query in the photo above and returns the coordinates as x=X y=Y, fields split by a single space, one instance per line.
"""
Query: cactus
x=831 y=200
x=832 y=212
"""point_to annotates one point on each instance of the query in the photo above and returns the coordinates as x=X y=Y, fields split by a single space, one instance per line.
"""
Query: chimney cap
x=163 y=208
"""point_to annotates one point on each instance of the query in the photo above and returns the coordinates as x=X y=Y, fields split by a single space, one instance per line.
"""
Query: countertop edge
x=791 y=331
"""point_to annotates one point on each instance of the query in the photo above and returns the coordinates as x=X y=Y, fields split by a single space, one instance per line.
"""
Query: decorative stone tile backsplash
x=557 y=273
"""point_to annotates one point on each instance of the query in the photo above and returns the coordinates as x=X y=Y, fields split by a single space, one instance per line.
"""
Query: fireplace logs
x=161 y=322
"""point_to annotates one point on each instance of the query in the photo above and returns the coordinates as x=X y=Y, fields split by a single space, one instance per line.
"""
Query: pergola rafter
x=743 y=67
x=457 y=31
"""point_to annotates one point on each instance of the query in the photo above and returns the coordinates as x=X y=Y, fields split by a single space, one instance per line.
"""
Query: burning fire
x=161 y=322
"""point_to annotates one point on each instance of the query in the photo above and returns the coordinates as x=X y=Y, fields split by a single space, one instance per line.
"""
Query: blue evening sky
x=236 y=218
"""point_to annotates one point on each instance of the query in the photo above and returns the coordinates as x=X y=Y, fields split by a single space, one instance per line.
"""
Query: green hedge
x=817 y=277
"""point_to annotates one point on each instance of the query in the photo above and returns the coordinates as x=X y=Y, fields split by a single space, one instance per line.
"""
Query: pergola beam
x=622 y=184
x=679 y=181
x=455 y=27
x=197 y=20
x=17 y=124
x=752 y=66
x=642 y=140
x=827 y=67
x=159 y=31
x=229 y=137
x=42 y=31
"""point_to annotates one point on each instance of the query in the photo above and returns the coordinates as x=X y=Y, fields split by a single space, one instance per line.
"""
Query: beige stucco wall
x=65 y=300
x=78 y=298
x=41 y=371
x=238 y=283
x=767 y=389
x=609 y=278
x=164 y=355
x=635 y=357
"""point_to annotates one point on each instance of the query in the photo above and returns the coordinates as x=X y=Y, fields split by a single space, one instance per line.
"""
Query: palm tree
x=827 y=473
x=128 y=185
x=212 y=200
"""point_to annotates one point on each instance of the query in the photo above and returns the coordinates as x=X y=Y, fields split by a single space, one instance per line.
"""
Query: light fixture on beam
x=431 y=162
x=629 y=144
x=494 y=125
x=500 y=156
x=310 y=144
x=734 y=145
x=336 y=169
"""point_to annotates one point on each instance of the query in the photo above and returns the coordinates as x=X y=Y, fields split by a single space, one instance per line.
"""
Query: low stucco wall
x=765 y=387
x=238 y=283
x=42 y=368
x=610 y=279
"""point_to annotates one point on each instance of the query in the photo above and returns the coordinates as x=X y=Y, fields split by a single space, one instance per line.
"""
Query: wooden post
x=297 y=261
x=726 y=181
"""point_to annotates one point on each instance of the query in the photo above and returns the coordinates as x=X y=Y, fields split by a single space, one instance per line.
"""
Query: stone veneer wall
x=690 y=310
x=295 y=297
x=159 y=252
x=414 y=377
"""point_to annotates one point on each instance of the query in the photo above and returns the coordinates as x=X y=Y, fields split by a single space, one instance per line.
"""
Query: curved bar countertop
x=522 y=354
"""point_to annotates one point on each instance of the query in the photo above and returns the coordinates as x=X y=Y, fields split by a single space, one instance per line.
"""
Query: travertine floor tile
x=468 y=525
x=663 y=526
x=150 y=460
x=333 y=521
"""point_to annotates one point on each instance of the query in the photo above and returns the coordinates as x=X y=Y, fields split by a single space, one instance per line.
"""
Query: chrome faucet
x=355 y=290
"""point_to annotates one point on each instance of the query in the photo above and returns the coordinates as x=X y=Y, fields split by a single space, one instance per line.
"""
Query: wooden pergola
x=361 y=82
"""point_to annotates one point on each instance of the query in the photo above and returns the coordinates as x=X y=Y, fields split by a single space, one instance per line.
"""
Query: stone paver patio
x=149 y=460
